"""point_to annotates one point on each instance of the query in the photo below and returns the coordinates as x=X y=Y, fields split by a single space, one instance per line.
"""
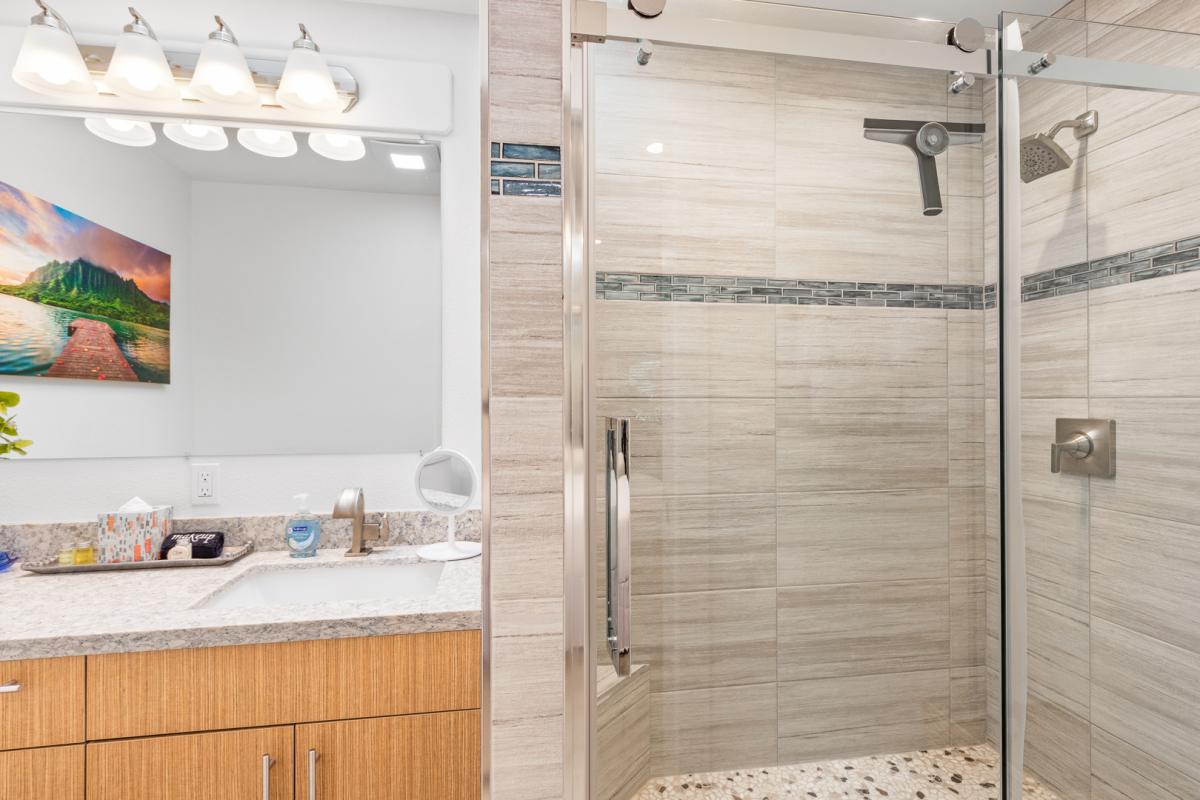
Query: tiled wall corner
x=525 y=399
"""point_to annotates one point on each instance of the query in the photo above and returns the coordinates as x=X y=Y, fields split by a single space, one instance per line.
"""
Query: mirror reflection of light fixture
x=139 y=66
x=196 y=135
x=306 y=84
x=270 y=142
x=338 y=146
x=222 y=75
x=408 y=161
x=129 y=132
x=49 y=61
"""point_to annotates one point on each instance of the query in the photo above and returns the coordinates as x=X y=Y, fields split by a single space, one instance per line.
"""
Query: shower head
x=1042 y=156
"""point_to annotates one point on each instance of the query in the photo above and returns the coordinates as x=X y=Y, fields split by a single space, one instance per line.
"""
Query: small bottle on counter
x=84 y=553
x=66 y=556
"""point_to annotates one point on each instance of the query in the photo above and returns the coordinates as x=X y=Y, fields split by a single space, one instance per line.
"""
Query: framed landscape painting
x=77 y=299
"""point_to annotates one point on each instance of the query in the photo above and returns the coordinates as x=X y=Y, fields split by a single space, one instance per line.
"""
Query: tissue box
x=133 y=535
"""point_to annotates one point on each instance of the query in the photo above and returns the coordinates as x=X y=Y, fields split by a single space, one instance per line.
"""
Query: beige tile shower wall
x=808 y=482
x=526 y=413
x=1114 y=589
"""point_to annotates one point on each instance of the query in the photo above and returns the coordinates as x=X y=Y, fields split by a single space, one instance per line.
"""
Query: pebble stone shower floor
x=952 y=773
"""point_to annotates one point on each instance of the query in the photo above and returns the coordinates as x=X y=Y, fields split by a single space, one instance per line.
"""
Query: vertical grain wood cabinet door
x=41 y=702
x=416 y=757
x=253 y=764
x=50 y=773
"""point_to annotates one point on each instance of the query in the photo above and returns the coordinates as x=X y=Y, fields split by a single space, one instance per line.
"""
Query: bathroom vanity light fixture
x=270 y=142
x=139 y=66
x=129 y=132
x=337 y=146
x=306 y=84
x=222 y=75
x=196 y=135
x=49 y=61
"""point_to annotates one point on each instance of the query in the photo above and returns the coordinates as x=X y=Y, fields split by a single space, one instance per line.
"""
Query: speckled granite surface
x=110 y=612
x=953 y=773
x=43 y=540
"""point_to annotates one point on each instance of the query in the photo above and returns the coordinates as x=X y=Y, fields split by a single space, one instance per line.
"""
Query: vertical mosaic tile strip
x=773 y=291
x=1160 y=261
x=526 y=170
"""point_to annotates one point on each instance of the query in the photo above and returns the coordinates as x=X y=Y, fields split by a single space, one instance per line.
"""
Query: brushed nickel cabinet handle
x=266 y=764
x=312 y=773
x=12 y=687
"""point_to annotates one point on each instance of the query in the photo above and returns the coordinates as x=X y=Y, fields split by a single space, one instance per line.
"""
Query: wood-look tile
x=1122 y=772
x=526 y=445
x=710 y=729
x=1141 y=340
x=703 y=640
x=701 y=65
x=967 y=447
x=965 y=353
x=1144 y=576
x=525 y=71
x=992 y=689
x=1054 y=347
x=1054 y=220
x=863 y=715
x=703 y=543
x=1058 y=653
x=840 y=444
x=525 y=109
x=848 y=537
x=526 y=548
x=535 y=616
x=623 y=735
x=1056 y=550
x=1151 y=13
x=802 y=79
x=821 y=231
x=965 y=238
x=968 y=706
x=697 y=446
x=526 y=677
x=1058 y=748
x=848 y=629
x=683 y=350
x=527 y=758
x=968 y=531
x=968 y=621
x=1038 y=418
x=699 y=125
x=1146 y=692
x=696 y=228
x=873 y=352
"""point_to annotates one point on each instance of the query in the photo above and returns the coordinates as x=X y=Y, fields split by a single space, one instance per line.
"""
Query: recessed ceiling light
x=270 y=142
x=407 y=161
x=655 y=148
x=196 y=135
x=129 y=132
x=337 y=146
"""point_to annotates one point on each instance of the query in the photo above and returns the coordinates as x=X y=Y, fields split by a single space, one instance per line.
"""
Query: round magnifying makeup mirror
x=447 y=483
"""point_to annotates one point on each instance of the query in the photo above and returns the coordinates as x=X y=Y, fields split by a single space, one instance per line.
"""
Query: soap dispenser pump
x=302 y=531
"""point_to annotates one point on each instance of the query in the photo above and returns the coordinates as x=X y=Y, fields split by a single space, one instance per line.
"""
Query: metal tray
x=52 y=567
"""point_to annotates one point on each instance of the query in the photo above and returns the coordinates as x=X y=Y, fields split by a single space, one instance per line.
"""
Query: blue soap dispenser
x=302 y=531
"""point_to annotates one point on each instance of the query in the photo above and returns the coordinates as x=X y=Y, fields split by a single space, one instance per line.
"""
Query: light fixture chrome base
x=266 y=73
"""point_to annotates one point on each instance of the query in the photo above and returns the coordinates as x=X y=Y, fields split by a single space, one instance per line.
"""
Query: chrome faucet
x=350 y=505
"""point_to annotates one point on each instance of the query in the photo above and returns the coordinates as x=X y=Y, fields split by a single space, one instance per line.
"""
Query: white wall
x=44 y=491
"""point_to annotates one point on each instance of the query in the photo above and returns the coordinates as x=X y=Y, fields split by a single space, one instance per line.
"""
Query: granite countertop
x=44 y=616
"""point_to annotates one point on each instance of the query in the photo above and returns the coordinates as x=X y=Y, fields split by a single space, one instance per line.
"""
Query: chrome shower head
x=1042 y=156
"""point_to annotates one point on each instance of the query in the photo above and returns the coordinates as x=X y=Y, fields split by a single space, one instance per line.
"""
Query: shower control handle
x=1078 y=447
x=1084 y=447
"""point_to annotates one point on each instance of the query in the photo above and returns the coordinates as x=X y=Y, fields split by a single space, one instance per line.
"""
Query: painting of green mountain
x=79 y=300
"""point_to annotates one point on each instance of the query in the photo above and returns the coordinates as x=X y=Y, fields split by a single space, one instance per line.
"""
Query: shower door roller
x=618 y=548
x=647 y=8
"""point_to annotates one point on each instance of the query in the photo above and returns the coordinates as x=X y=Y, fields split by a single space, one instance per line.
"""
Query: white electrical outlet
x=206 y=484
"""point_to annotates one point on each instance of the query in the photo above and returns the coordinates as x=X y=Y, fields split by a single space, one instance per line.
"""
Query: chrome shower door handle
x=1078 y=447
x=619 y=548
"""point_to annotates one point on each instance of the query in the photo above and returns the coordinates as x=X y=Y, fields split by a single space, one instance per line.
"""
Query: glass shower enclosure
x=857 y=319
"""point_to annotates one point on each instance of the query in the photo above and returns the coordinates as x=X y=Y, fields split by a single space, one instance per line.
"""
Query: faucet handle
x=375 y=531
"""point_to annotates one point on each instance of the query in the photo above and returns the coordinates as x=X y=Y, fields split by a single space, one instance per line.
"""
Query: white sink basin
x=307 y=585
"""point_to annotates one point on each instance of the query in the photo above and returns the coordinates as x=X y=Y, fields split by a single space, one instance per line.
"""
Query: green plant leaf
x=9 y=400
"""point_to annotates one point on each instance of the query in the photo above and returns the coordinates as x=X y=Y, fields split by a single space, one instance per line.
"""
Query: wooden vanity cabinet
x=45 y=773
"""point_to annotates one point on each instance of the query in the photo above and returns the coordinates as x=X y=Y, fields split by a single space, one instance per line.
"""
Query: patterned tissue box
x=133 y=536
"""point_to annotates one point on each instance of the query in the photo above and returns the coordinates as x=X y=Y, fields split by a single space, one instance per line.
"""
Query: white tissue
x=135 y=505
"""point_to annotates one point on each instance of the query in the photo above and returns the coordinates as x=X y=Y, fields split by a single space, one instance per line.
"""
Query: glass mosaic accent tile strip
x=1172 y=258
x=526 y=170
x=784 y=291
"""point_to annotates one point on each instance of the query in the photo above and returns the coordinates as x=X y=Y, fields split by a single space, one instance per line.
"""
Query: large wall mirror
x=183 y=278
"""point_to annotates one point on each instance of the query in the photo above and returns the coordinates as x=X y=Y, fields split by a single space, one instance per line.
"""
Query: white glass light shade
x=196 y=136
x=50 y=63
x=306 y=84
x=338 y=146
x=129 y=132
x=268 y=142
x=139 y=69
x=222 y=76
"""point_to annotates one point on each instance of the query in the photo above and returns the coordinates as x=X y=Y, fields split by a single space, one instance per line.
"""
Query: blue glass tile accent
x=512 y=169
x=550 y=171
x=533 y=152
x=495 y=149
x=495 y=187
x=532 y=189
